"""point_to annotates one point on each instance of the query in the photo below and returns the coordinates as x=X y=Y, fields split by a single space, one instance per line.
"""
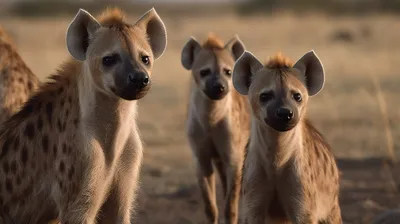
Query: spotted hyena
x=74 y=149
x=290 y=174
x=17 y=82
x=218 y=121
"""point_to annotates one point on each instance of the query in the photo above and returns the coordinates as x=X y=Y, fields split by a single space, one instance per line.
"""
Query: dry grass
x=346 y=111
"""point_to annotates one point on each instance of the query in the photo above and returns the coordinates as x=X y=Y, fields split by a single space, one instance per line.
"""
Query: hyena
x=290 y=174
x=17 y=81
x=218 y=122
x=74 y=149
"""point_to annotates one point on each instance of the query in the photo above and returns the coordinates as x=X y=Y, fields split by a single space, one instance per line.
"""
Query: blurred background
x=358 y=110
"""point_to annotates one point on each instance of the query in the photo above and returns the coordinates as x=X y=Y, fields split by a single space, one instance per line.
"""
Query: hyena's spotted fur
x=17 y=82
x=74 y=148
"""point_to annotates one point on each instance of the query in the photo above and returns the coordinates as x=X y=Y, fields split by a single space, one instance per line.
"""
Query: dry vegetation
x=347 y=111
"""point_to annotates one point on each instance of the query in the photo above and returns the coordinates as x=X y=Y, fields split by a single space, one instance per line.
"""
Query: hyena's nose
x=140 y=79
x=284 y=114
x=219 y=87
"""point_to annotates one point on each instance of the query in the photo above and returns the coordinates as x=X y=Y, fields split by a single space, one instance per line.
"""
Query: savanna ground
x=355 y=51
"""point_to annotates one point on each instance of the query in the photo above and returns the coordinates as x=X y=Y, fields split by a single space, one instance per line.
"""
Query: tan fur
x=74 y=147
x=213 y=42
x=289 y=176
x=17 y=82
x=279 y=61
x=388 y=217
x=217 y=131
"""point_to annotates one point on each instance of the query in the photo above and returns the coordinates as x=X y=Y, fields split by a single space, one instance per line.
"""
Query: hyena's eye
x=297 y=97
x=205 y=72
x=227 y=72
x=265 y=97
x=146 y=60
x=110 y=60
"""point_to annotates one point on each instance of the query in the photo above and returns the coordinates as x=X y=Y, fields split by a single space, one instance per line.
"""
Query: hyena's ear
x=312 y=72
x=79 y=32
x=155 y=30
x=245 y=67
x=189 y=51
x=236 y=46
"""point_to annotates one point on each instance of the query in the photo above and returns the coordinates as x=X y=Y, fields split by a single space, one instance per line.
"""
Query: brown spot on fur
x=49 y=111
x=64 y=148
x=14 y=167
x=30 y=86
x=60 y=125
x=76 y=121
x=70 y=100
x=5 y=148
x=29 y=131
x=54 y=150
x=6 y=167
x=9 y=186
x=24 y=155
x=213 y=42
x=61 y=167
x=60 y=90
x=39 y=123
x=279 y=61
x=71 y=172
x=45 y=143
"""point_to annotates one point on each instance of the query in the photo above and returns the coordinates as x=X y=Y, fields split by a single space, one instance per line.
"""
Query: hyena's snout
x=138 y=80
x=216 y=89
x=134 y=85
x=282 y=118
x=284 y=114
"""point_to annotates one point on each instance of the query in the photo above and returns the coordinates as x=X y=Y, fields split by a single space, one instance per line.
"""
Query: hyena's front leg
x=120 y=201
x=233 y=191
x=81 y=204
x=222 y=174
x=206 y=178
x=335 y=217
x=256 y=192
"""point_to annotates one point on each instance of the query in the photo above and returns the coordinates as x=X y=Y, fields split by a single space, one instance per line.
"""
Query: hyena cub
x=218 y=121
x=290 y=173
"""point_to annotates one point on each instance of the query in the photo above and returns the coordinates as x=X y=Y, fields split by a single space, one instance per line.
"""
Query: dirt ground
x=355 y=51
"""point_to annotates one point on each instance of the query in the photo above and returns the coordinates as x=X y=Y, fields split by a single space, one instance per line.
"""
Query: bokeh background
x=358 y=111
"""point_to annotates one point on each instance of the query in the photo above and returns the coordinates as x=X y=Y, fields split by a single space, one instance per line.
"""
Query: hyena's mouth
x=215 y=95
x=279 y=125
x=131 y=93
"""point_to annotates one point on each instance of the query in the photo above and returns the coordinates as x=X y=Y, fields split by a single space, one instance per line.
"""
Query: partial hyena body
x=290 y=174
x=17 y=82
x=74 y=150
x=218 y=121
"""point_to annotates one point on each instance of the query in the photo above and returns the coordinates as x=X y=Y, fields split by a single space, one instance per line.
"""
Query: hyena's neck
x=210 y=111
x=278 y=147
x=100 y=109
